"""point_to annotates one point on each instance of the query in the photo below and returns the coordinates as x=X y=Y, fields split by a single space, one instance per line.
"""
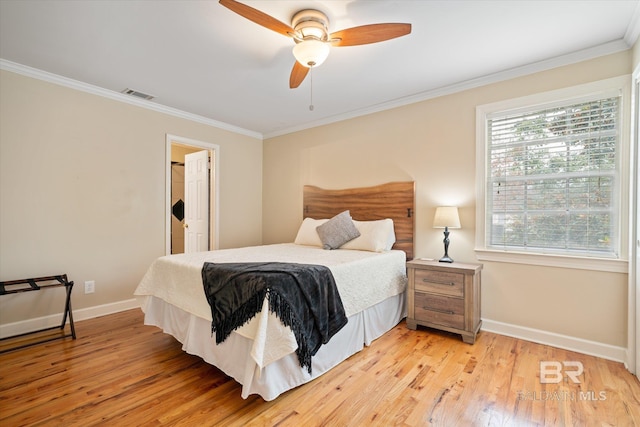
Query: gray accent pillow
x=337 y=231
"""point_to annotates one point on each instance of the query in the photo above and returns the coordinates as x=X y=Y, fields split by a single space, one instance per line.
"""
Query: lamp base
x=445 y=257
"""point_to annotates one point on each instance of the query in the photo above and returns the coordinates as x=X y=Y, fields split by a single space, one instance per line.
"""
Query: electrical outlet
x=89 y=287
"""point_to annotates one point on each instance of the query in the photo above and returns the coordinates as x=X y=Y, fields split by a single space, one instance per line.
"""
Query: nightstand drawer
x=441 y=282
x=439 y=309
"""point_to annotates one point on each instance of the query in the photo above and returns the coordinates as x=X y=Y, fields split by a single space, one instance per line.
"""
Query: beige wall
x=433 y=144
x=82 y=191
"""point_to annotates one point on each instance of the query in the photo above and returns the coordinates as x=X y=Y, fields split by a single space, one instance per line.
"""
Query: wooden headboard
x=395 y=200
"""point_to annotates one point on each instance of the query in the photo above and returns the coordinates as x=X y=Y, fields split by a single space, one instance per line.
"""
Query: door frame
x=214 y=193
x=633 y=317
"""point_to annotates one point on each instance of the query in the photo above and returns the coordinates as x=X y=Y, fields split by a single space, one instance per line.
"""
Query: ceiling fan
x=309 y=30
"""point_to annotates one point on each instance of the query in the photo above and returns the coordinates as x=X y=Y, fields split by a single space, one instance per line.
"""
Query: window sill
x=562 y=261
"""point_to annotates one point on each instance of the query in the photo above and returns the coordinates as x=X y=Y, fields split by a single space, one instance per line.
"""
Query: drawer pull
x=438 y=310
x=439 y=283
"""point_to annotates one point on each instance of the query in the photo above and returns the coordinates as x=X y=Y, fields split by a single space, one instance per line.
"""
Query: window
x=551 y=176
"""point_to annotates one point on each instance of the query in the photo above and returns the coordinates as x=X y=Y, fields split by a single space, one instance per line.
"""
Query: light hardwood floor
x=122 y=373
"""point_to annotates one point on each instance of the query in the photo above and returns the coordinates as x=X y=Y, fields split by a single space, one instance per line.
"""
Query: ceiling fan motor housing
x=310 y=24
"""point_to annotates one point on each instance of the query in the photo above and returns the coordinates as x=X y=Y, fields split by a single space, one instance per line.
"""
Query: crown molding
x=571 y=58
x=633 y=30
x=120 y=97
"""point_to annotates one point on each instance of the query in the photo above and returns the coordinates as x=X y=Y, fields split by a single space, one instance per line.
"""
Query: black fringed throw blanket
x=303 y=296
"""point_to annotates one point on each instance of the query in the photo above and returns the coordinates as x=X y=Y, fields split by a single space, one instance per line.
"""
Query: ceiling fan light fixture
x=311 y=53
x=310 y=30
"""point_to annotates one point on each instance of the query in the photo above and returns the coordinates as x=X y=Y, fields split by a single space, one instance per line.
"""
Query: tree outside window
x=551 y=178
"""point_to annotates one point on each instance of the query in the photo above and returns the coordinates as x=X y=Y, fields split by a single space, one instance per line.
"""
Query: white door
x=196 y=209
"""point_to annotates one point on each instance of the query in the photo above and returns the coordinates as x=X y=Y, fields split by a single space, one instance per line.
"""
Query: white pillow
x=307 y=233
x=375 y=236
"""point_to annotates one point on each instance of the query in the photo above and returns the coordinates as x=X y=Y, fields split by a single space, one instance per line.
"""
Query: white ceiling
x=201 y=58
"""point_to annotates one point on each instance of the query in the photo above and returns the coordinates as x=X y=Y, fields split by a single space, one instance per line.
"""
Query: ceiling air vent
x=132 y=92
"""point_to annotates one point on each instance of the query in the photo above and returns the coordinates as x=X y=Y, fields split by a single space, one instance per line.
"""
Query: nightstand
x=444 y=296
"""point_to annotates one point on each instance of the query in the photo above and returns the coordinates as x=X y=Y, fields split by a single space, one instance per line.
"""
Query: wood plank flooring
x=122 y=373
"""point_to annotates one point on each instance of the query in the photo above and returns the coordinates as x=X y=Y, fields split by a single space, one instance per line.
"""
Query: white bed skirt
x=233 y=355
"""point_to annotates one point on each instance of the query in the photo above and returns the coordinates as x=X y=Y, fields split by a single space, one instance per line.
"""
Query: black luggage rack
x=37 y=284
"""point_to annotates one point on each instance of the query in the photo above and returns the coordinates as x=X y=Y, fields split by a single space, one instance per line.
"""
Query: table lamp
x=446 y=217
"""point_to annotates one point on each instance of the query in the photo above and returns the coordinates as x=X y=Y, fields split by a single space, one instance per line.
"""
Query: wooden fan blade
x=258 y=17
x=371 y=33
x=298 y=74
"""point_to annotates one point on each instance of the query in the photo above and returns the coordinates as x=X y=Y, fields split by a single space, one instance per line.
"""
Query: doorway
x=176 y=150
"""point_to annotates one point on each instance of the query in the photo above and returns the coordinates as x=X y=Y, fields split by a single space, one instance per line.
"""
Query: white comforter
x=363 y=280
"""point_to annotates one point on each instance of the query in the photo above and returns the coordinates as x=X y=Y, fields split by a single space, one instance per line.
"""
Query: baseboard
x=25 y=326
x=606 y=351
x=593 y=348
x=630 y=363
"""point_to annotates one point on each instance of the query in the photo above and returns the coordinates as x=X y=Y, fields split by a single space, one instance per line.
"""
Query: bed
x=369 y=272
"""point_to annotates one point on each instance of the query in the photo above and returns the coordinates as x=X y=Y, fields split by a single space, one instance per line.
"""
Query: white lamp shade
x=446 y=216
x=311 y=53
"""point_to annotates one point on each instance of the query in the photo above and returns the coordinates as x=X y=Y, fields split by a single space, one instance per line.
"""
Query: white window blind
x=552 y=174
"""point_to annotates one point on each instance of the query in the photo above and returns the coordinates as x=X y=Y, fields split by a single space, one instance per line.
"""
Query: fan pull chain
x=311 y=85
